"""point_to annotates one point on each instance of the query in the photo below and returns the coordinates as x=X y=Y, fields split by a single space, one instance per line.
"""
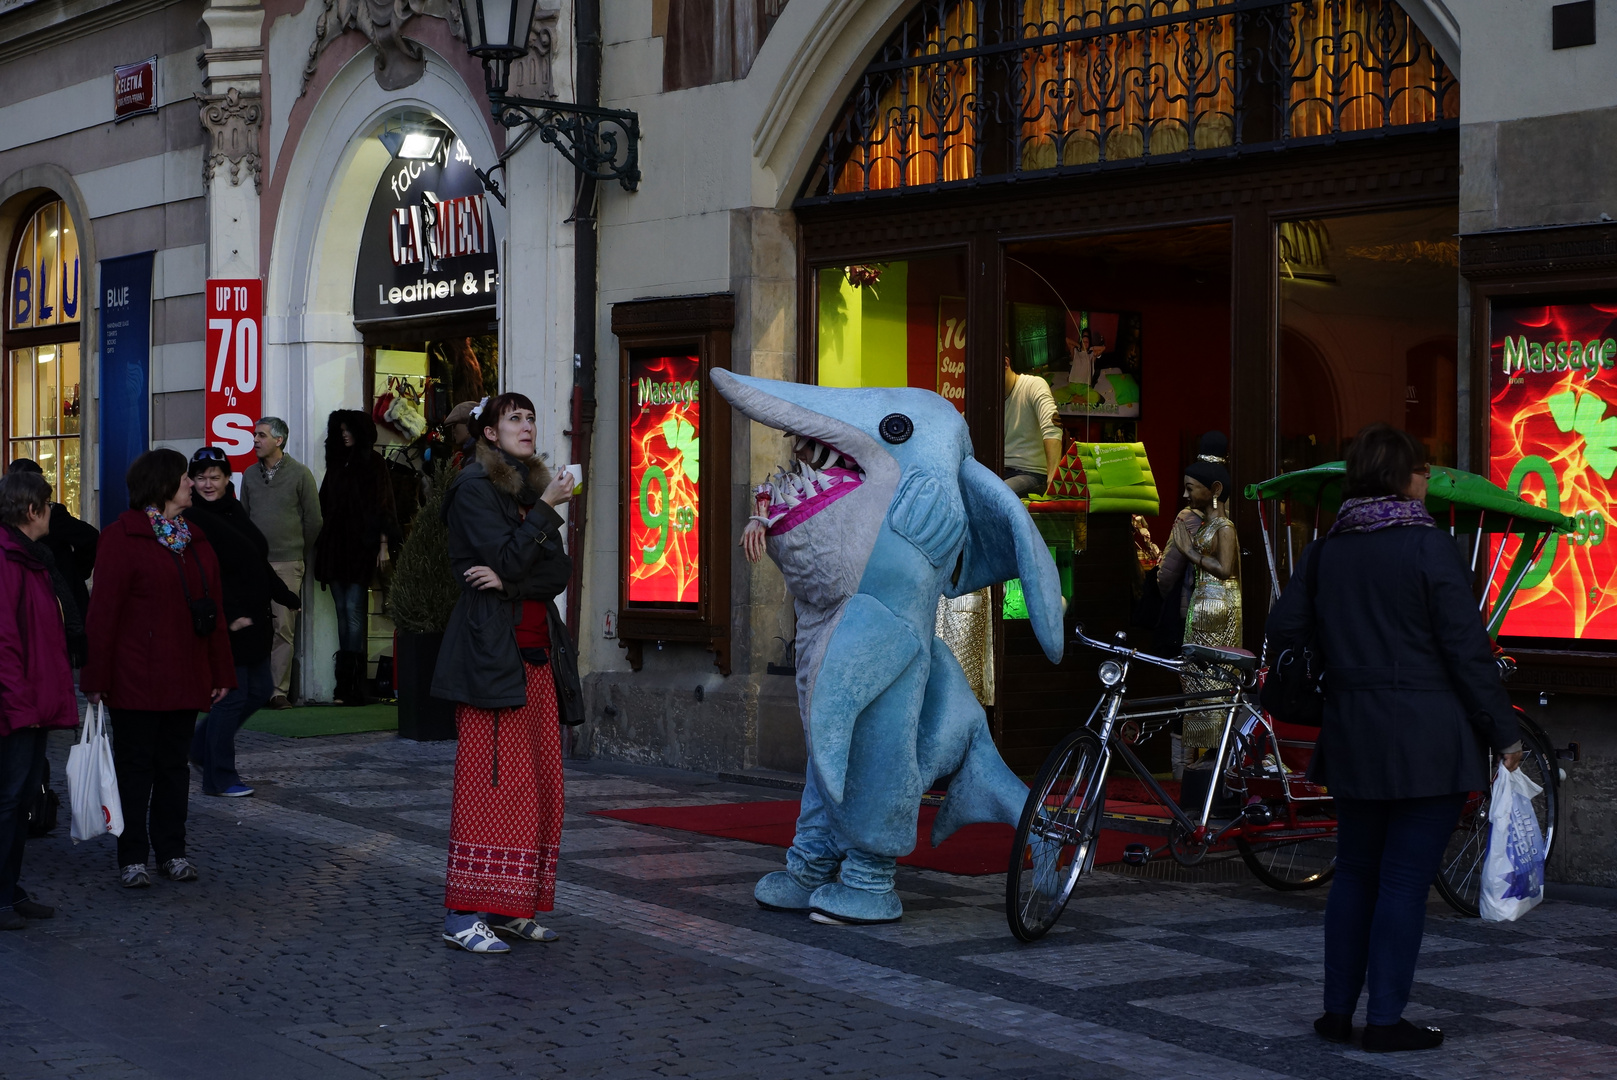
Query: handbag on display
x=92 y=782
x=1293 y=692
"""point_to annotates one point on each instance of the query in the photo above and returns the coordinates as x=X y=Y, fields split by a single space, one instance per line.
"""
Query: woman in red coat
x=159 y=654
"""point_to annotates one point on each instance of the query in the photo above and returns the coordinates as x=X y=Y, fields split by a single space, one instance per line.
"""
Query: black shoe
x=31 y=909
x=11 y=920
x=1334 y=1027
x=1392 y=1038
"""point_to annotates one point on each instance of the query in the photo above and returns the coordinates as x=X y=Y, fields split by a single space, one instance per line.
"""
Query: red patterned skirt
x=505 y=831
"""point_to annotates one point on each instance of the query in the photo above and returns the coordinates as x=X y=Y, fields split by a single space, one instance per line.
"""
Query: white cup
x=577 y=473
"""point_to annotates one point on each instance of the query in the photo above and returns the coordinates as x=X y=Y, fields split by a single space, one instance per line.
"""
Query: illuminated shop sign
x=428 y=244
x=665 y=427
x=1553 y=439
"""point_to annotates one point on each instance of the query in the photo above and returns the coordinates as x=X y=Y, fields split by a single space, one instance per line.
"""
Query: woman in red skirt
x=505 y=653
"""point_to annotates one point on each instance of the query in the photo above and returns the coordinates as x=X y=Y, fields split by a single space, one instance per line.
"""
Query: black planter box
x=421 y=716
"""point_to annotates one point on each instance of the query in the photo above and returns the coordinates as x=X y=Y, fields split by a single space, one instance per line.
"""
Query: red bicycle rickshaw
x=1258 y=802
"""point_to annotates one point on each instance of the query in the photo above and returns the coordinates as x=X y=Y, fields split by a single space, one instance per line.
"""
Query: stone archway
x=313 y=355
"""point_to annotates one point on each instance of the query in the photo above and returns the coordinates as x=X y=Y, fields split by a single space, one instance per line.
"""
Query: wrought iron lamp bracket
x=593 y=139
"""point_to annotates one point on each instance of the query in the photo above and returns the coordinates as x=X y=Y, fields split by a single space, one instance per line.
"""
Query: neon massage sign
x=665 y=427
x=1553 y=440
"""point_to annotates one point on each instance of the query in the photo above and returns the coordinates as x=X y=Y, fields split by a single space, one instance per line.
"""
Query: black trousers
x=149 y=753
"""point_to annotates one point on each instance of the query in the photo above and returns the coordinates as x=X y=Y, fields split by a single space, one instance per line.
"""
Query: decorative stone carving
x=231 y=120
x=532 y=76
x=400 y=61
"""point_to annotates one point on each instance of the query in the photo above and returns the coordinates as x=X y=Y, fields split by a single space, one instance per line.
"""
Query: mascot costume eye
x=884 y=511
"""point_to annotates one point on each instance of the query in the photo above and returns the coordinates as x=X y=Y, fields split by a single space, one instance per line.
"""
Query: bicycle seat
x=1239 y=659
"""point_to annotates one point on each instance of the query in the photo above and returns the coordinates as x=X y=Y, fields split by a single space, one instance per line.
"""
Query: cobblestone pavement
x=310 y=949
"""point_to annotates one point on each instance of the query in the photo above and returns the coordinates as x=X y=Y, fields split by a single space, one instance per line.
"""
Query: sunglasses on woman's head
x=209 y=453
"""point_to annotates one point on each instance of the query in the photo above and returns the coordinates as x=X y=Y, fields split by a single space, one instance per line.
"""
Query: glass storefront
x=43 y=374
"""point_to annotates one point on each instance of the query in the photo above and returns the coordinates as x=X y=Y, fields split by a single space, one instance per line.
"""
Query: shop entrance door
x=1131 y=332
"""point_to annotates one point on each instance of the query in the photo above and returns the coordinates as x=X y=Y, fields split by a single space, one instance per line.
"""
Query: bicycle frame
x=1114 y=713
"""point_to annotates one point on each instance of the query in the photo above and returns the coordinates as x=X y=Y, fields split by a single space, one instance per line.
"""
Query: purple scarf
x=1381 y=512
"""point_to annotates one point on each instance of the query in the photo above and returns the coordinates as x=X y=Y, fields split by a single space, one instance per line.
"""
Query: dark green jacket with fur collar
x=479 y=663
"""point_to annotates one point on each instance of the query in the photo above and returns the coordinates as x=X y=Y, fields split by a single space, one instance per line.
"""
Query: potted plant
x=422 y=595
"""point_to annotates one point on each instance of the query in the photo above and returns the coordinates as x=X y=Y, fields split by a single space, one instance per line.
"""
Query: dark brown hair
x=497 y=407
x=1381 y=461
x=154 y=477
x=20 y=492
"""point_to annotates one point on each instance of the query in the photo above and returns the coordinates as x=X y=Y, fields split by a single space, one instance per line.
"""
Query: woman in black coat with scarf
x=1413 y=702
x=358 y=528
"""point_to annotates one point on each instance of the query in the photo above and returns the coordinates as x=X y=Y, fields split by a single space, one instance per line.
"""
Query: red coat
x=36 y=683
x=143 y=652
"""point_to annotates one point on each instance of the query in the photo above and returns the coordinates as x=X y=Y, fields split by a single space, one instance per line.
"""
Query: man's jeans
x=22 y=770
x=286 y=622
x=214 y=744
x=1023 y=482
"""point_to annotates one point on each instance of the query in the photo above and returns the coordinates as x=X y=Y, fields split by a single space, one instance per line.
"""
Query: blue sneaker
x=234 y=791
x=471 y=933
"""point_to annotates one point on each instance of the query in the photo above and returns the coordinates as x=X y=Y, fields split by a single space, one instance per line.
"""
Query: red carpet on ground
x=972 y=851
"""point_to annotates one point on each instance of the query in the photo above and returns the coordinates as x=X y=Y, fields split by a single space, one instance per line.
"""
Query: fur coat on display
x=356 y=504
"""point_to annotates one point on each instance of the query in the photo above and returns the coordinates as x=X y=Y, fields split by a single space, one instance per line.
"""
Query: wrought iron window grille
x=971 y=92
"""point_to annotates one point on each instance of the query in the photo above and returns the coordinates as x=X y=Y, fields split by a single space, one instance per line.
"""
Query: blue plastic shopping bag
x=1513 y=865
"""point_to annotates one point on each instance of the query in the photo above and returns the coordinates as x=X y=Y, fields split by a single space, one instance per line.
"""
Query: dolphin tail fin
x=869 y=650
x=984 y=789
x=981 y=786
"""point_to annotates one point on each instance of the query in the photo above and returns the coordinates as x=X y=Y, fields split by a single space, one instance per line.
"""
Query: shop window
x=1368 y=310
x=42 y=376
x=1132 y=333
x=898 y=323
x=981 y=90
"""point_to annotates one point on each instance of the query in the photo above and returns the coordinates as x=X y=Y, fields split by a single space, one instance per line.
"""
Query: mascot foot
x=780 y=891
x=838 y=903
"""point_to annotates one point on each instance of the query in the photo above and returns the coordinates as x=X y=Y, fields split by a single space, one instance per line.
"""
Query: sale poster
x=234 y=392
x=1553 y=440
x=952 y=350
x=665 y=427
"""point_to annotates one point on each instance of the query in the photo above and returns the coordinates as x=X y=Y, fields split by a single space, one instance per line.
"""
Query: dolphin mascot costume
x=888 y=512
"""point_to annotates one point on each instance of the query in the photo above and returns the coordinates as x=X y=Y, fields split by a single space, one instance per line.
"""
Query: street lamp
x=593 y=139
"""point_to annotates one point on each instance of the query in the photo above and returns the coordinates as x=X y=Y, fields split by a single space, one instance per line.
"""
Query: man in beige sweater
x=282 y=499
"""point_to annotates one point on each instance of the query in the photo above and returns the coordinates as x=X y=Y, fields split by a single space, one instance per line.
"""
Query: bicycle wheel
x=1290 y=863
x=1055 y=840
x=1459 y=876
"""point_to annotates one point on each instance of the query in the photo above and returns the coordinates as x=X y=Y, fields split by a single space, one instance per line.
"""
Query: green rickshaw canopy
x=1469 y=496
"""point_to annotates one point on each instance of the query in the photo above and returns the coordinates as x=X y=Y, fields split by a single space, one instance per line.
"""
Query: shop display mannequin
x=884 y=511
x=1213 y=550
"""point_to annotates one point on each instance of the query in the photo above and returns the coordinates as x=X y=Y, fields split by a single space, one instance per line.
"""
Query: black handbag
x=1294 y=691
x=204 y=612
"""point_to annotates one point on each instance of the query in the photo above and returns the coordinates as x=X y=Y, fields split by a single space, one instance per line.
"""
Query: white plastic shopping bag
x=92 y=783
x=1513 y=865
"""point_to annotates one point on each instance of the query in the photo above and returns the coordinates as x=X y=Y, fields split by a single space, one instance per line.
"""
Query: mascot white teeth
x=884 y=511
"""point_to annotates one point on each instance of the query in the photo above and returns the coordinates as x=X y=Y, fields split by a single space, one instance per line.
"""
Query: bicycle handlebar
x=1128 y=653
